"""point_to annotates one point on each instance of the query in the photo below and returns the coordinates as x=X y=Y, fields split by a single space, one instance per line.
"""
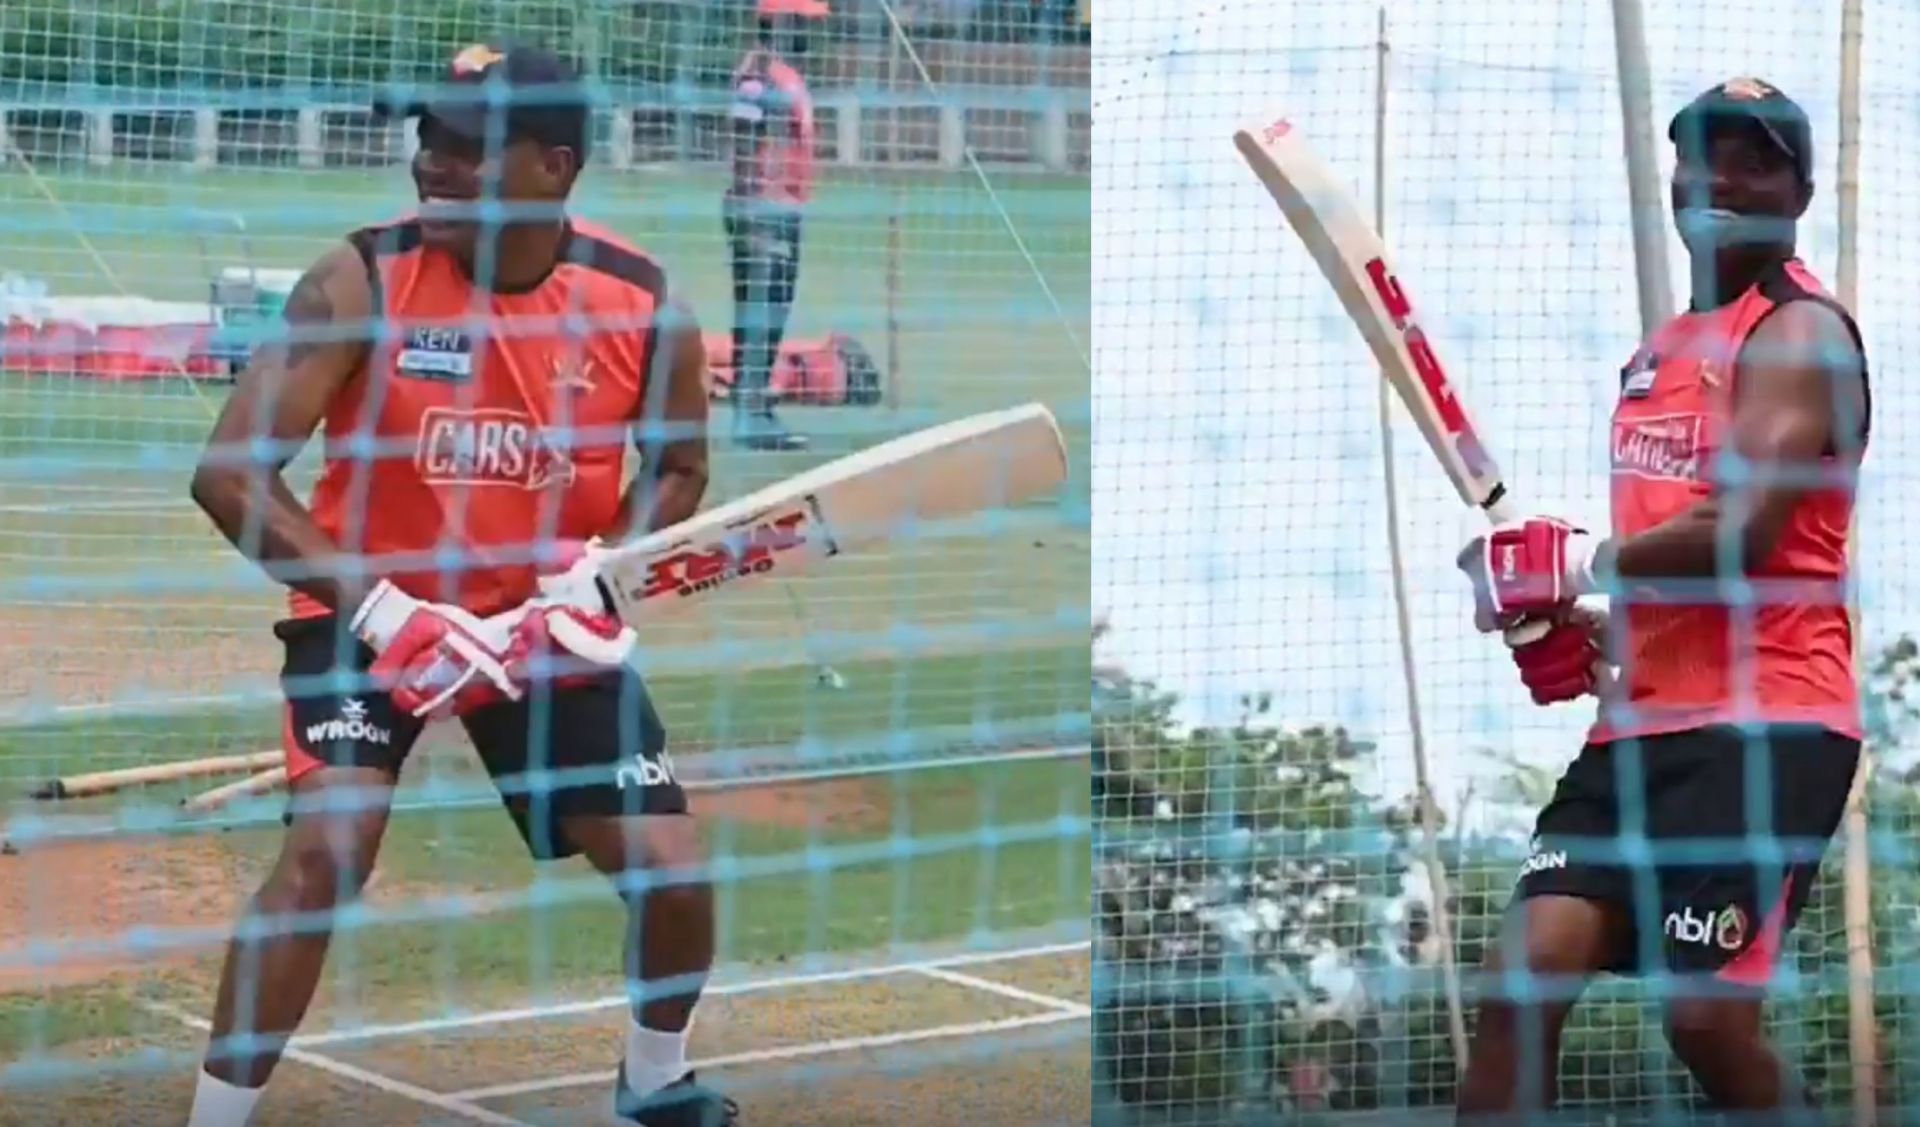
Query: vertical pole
x=1643 y=171
x=891 y=101
x=1428 y=811
x=1857 y=875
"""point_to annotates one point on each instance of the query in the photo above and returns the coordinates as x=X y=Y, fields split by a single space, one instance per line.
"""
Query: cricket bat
x=955 y=469
x=1353 y=259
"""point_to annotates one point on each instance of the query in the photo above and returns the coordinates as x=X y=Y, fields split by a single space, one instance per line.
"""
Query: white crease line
x=790 y=1052
x=1032 y=997
x=592 y=1005
x=444 y=1102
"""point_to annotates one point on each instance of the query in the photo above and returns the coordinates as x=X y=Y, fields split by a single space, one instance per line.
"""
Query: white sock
x=655 y=1058
x=217 y=1103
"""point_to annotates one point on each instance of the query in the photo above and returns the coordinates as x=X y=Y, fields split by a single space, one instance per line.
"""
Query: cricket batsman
x=1735 y=718
x=476 y=372
x=772 y=184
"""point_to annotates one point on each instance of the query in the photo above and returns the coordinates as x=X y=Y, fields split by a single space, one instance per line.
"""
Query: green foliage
x=1198 y=1009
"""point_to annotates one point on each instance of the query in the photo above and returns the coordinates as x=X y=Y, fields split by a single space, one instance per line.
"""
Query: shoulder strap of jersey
x=383 y=240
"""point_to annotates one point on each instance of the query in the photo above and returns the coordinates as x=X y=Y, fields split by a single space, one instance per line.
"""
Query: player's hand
x=570 y=632
x=571 y=576
x=1570 y=661
x=1527 y=568
x=563 y=644
x=435 y=660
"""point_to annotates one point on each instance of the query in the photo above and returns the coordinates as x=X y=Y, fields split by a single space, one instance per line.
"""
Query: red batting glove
x=569 y=633
x=1569 y=662
x=566 y=645
x=436 y=661
x=1527 y=568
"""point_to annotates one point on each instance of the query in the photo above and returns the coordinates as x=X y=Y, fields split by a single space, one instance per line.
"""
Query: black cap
x=540 y=94
x=1759 y=102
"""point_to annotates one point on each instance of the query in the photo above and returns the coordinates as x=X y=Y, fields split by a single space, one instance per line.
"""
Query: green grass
x=977 y=329
x=943 y=853
x=820 y=902
x=1000 y=848
x=769 y=707
x=44 y=1021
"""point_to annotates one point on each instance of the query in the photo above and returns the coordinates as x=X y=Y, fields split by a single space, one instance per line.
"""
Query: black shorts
x=1721 y=907
x=592 y=749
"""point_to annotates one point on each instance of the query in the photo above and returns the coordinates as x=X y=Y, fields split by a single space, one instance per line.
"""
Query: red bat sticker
x=750 y=548
x=1433 y=377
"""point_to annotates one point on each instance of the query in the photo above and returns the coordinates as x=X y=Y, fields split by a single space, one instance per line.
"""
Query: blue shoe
x=683 y=1103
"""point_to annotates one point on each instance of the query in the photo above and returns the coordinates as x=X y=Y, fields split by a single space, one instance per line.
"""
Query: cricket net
x=891 y=750
x=1267 y=933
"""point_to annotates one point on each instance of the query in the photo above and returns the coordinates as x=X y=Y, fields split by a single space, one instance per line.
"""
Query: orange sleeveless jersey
x=482 y=423
x=786 y=157
x=1787 y=658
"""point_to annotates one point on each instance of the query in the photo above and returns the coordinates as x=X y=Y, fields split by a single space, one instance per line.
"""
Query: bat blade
x=956 y=469
x=1353 y=258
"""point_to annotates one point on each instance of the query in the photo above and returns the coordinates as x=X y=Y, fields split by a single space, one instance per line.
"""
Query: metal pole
x=1643 y=170
x=895 y=202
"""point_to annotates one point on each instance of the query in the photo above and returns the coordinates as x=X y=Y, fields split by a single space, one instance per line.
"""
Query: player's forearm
x=270 y=526
x=1707 y=541
x=667 y=499
x=676 y=495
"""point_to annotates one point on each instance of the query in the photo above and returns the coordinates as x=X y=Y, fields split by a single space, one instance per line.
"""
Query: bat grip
x=1500 y=509
x=1526 y=632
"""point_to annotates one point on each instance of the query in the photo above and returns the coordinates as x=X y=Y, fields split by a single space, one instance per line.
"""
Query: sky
x=1240 y=512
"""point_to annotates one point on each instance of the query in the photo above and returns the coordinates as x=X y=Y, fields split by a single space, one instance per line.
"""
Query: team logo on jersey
x=1664 y=448
x=573 y=373
x=432 y=353
x=488 y=446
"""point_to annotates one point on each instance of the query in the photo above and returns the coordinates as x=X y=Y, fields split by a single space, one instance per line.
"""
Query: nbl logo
x=1725 y=929
x=645 y=773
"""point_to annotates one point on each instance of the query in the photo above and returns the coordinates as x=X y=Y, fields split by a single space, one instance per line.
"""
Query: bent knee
x=323 y=863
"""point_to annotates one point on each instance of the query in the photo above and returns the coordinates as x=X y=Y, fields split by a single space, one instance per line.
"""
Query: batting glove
x=576 y=583
x=436 y=660
x=1526 y=569
x=1569 y=662
x=569 y=633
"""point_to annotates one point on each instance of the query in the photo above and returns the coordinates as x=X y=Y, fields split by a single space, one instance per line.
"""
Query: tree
x=1264 y=927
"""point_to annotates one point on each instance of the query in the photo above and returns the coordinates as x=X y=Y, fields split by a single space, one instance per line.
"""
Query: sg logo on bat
x=750 y=547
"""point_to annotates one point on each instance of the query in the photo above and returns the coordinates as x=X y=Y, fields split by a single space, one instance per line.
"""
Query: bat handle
x=1500 y=509
x=1526 y=632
